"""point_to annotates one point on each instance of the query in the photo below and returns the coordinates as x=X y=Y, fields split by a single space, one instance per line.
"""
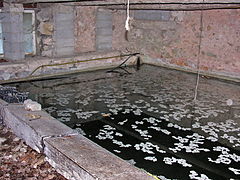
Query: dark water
x=149 y=118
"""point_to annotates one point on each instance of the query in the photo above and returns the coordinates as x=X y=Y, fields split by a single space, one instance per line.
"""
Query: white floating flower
x=195 y=176
x=235 y=171
x=173 y=160
x=150 y=158
x=116 y=151
x=123 y=122
x=120 y=143
x=134 y=126
x=64 y=119
x=225 y=157
x=118 y=134
x=137 y=112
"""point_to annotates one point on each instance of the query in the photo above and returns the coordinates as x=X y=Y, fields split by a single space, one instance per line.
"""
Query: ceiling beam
x=176 y=7
x=95 y=2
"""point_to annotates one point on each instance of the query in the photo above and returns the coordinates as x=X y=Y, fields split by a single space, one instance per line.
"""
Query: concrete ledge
x=73 y=155
x=64 y=164
x=92 y=158
x=159 y=62
x=19 y=71
x=33 y=127
x=2 y=105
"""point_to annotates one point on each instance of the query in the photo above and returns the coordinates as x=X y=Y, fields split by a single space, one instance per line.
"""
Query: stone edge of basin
x=73 y=155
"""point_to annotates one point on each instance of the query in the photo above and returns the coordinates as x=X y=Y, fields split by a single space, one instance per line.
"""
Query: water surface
x=149 y=118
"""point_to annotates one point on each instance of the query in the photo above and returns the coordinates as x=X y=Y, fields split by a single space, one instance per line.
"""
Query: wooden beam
x=177 y=7
x=95 y=2
x=54 y=1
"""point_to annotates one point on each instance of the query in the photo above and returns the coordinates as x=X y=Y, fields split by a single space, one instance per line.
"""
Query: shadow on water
x=155 y=142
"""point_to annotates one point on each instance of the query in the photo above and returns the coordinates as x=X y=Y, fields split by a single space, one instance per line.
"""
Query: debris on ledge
x=32 y=105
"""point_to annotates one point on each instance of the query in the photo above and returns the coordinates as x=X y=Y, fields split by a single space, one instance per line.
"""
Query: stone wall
x=55 y=30
x=104 y=30
x=220 y=49
x=85 y=33
x=12 y=31
x=64 y=30
x=172 y=38
x=45 y=29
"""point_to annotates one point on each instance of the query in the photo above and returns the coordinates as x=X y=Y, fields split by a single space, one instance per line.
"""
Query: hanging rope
x=127 y=26
x=193 y=107
x=198 y=59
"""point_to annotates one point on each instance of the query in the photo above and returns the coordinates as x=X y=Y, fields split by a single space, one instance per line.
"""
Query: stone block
x=16 y=18
x=3 y=103
x=22 y=74
x=44 y=14
x=5 y=17
x=6 y=27
x=65 y=42
x=13 y=32
x=46 y=28
x=105 y=39
x=6 y=76
x=12 y=28
x=13 y=47
x=61 y=51
x=13 y=37
x=63 y=34
x=86 y=160
x=155 y=15
x=14 y=55
x=68 y=21
x=2 y=16
x=46 y=48
x=33 y=127
x=47 y=41
x=104 y=31
x=104 y=15
x=104 y=46
x=47 y=53
x=13 y=7
x=60 y=17
x=104 y=24
x=66 y=166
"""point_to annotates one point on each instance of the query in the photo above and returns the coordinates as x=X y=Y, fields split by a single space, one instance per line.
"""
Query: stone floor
x=20 y=162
